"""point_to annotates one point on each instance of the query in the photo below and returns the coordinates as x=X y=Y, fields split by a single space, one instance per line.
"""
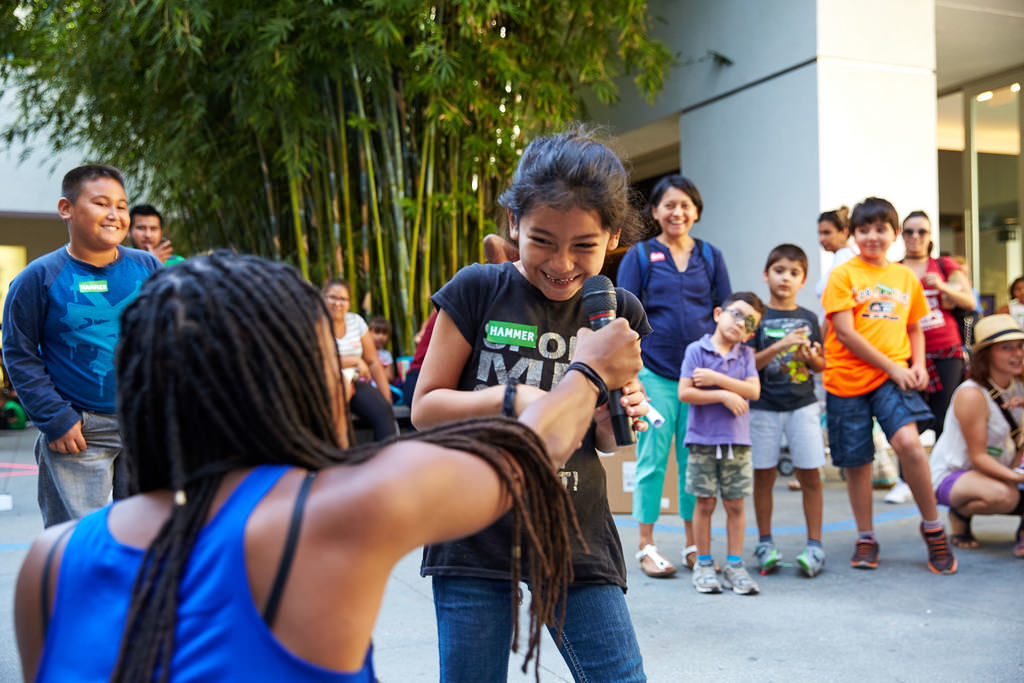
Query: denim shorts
x=850 y=425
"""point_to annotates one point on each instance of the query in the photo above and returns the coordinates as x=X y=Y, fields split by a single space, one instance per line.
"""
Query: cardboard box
x=620 y=469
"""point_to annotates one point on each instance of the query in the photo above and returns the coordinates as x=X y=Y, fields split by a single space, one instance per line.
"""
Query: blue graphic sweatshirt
x=60 y=326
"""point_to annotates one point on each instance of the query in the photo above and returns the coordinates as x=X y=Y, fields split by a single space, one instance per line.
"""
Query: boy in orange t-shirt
x=873 y=307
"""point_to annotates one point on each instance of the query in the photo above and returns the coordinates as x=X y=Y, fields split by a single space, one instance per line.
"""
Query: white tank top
x=950 y=451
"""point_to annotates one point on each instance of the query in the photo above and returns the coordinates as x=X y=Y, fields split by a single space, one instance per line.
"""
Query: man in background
x=146 y=232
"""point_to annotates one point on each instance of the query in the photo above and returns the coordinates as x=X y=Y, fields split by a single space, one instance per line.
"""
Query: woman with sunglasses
x=945 y=287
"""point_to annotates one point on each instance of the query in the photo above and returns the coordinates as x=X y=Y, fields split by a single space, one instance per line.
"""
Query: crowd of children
x=749 y=385
x=736 y=378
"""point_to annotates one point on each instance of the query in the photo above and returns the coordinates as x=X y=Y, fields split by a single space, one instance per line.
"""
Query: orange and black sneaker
x=865 y=555
x=941 y=559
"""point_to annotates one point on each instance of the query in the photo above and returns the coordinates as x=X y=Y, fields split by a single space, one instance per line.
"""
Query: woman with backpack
x=946 y=289
x=679 y=279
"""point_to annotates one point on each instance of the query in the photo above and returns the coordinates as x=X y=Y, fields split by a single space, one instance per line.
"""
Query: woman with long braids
x=257 y=549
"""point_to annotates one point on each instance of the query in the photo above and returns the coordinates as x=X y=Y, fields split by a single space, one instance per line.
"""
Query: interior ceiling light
x=985 y=96
x=1015 y=87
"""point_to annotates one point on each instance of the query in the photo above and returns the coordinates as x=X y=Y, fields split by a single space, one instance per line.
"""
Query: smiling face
x=97 y=220
x=558 y=250
x=830 y=237
x=873 y=240
x=917 y=235
x=737 y=322
x=675 y=213
x=338 y=301
x=1006 y=359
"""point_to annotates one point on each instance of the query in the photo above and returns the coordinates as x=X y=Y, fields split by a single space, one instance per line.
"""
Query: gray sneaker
x=738 y=579
x=705 y=580
x=767 y=556
x=811 y=561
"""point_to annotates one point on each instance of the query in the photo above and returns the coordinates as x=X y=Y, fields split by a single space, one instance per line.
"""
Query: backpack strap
x=643 y=254
x=709 y=261
x=643 y=259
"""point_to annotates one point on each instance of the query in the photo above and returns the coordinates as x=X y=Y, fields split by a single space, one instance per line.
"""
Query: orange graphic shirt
x=884 y=302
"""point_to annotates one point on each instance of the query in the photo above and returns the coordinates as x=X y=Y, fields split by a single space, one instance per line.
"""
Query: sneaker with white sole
x=705 y=580
x=738 y=579
x=767 y=556
x=811 y=561
x=899 y=493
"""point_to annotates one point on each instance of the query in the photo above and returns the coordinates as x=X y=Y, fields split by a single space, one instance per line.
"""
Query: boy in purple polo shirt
x=719 y=379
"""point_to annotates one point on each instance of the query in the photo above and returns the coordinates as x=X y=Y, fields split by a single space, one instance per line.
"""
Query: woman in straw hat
x=976 y=462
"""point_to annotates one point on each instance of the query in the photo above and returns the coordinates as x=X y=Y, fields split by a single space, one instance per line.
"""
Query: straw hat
x=993 y=329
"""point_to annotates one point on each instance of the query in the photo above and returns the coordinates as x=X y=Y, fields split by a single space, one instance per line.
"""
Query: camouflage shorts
x=707 y=474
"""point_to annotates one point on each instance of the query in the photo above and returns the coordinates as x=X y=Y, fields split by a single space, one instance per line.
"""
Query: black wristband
x=508 y=404
x=595 y=379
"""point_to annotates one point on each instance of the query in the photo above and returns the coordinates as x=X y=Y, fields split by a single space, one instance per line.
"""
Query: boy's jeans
x=474 y=628
x=71 y=485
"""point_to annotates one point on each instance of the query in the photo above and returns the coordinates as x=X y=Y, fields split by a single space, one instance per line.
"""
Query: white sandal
x=665 y=568
x=686 y=563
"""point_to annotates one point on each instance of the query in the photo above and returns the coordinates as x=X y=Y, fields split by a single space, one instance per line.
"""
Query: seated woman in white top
x=975 y=463
x=360 y=363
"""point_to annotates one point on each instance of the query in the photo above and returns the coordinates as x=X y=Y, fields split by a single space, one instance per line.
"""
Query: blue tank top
x=220 y=635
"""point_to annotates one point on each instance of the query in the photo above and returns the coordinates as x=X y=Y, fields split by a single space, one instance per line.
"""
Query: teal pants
x=653 y=447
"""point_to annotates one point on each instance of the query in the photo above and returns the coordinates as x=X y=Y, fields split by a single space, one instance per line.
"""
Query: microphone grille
x=598 y=295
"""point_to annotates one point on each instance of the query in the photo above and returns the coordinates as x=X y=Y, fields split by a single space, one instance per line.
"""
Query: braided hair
x=220 y=366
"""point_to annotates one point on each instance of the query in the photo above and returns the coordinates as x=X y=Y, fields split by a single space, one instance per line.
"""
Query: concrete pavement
x=896 y=623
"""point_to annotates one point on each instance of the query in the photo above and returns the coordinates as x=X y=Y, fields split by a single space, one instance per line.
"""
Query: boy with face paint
x=718 y=378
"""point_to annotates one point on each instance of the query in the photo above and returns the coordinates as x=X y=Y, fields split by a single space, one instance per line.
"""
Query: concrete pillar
x=853 y=116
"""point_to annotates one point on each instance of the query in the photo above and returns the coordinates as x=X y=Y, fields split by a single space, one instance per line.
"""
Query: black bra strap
x=44 y=590
x=277 y=588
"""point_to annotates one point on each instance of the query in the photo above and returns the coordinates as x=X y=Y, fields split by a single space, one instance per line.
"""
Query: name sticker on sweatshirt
x=513 y=334
x=92 y=286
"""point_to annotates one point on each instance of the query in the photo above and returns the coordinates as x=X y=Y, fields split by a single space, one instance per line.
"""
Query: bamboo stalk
x=372 y=181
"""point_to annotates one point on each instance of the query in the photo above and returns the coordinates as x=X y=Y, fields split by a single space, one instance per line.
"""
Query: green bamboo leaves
x=364 y=139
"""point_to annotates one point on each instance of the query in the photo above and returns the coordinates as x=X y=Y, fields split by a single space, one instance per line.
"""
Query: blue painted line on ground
x=841 y=525
x=15 y=546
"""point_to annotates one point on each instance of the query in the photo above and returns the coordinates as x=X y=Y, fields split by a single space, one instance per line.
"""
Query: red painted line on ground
x=18 y=466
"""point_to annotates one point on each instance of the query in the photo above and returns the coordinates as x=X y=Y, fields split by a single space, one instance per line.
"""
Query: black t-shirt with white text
x=514 y=330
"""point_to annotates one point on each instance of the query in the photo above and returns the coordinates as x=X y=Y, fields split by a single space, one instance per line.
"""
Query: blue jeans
x=474 y=629
x=71 y=485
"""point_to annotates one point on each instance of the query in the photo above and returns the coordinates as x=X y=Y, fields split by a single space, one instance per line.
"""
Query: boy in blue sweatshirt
x=60 y=327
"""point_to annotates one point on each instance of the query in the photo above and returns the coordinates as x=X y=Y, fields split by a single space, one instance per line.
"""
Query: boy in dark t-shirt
x=787 y=348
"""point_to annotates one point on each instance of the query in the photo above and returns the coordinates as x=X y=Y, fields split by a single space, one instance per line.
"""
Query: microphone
x=599 y=305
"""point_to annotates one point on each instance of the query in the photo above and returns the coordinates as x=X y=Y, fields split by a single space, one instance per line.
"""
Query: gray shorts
x=802 y=428
x=712 y=470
